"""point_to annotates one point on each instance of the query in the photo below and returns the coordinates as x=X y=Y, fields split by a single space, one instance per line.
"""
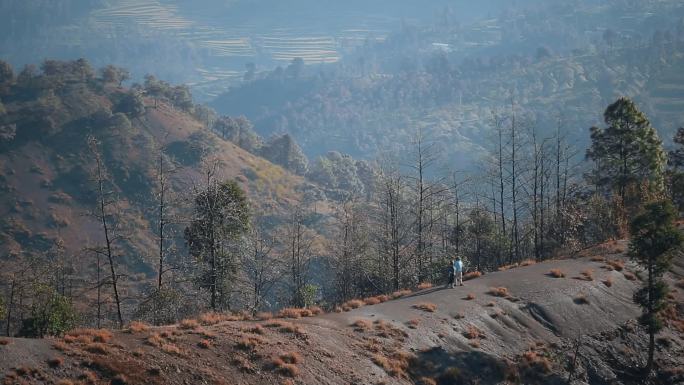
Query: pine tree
x=676 y=171
x=655 y=239
x=627 y=151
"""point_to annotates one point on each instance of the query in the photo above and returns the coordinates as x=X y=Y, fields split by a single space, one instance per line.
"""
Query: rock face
x=515 y=326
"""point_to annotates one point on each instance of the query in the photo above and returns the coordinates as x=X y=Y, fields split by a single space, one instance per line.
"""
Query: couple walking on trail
x=456 y=272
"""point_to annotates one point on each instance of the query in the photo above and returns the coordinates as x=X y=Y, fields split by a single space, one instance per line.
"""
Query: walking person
x=458 y=271
x=451 y=274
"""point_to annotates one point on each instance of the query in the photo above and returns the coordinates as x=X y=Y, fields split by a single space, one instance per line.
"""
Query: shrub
x=425 y=306
x=472 y=333
x=424 y=285
x=204 y=344
x=471 y=275
x=556 y=273
x=50 y=314
x=499 y=292
x=256 y=329
x=616 y=264
x=587 y=275
x=352 y=304
x=413 y=323
x=528 y=262
x=608 y=281
x=507 y=267
x=290 y=312
x=470 y=297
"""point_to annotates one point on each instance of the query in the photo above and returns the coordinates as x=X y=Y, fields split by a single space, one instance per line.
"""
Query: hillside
x=48 y=176
x=523 y=332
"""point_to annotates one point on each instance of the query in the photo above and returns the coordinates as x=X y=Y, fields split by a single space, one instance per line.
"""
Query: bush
x=428 y=307
x=424 y=285
x=51 y=314
x=557 y=273
x=499 y=291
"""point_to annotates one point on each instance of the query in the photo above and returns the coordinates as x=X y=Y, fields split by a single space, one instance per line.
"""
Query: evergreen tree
x=627 y=151
x=676 y=172
x=220 y=219
x=655 y=239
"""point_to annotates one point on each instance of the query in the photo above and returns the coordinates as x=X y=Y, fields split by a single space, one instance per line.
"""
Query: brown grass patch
x=413 y=323
x=528 y=262
x=475 y=344
x=137 y=327
x=204 y=344
x=587 y=275
x=608 y=281
x=395 y=365
x=292 y=358
x=155 y=340
x=556 y=273
x=507 y=267
x=91 y=335
x=65 y=382
x=471 y=275
x=616 y=264
x=401 y=293
x=352 y=304
x=629 y=276
x=472 y=333
x=4 y=342
x=499 y=292
x=69 y=339
x=248 y=343
x=362 y=325
x=290 y=312
x=264 y=315
x=285 y=364
x=597 y=259
x=424 y=285
x=58 y=345
x=189 y=324
x=581 y=299
x=426 y=381
x=534 y=363
x=426 y=306
x=470 y=297
x=97 y=348
x=256 y=329
x=171 y=349
x=55 y=362
x=376 y=300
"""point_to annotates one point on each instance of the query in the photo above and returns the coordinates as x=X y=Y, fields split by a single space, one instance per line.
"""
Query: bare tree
x=298 y=249
x=262 y=266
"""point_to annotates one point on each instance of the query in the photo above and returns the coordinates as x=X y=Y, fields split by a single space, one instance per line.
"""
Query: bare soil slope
x=519 y=325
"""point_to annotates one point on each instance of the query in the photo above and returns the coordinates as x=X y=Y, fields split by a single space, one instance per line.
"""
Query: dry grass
x=65 y=382
x=533 y=362
x=210 y=318
x=471 y=275
x=413 y=323
x=362 y=325
x=470 y=297
x=57 y=345
x=499 y=292
x=401 y=293
x=557 y=273
x=137 y=327
x=285 y=364
x=472 y=333
x=629 y=276
x=376 y=299
x=597 y=259
x=587 y=275
x=491 y=304
x=352 y=304
x=507 y=267
x=426 y=306
x=90 y=335
x=616 y=264
x=155 y=340
x=528 y=262
x=55 y=362
x=4 y=342
x=475 y=344
x=426 y=381
x=581 y=299
x=395 y=365
x=459 y=316
x=608 y=281
x=285 y=327
x=204 y=344
x=290 y=312
x=97 y=348
x=263 y=316
x=256 y=329
x=292 y=358
x=249 y=342
x=171 y=349
x=288 y=370
x=189 y=324
x=424 y=285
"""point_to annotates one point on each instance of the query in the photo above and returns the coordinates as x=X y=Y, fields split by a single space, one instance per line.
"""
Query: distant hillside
x=48 y=175
x=519 y=326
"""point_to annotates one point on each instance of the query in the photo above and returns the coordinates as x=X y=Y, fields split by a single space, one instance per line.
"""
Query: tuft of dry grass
x=285 y=364
x=499 y=292
x=57 y=345
x=507 y=267
x=680 y=283
x=470 y=297
x=629 y=276
x=616 y=264
x=608 y=281
x=597 y=259
x=264 y=316
x=491 y=304
x=65 y=382
x=581 y=299
x=475 y=344
x=426 y=306
x=556 y=273
x=172 y=349
x=4 y=342
x=472 y=333
x=210 y=318
x=426 y=381
x=256 y=329
x=395 y=365
x=587 y=275
x=528 y=262
x=292 y=358
x=471 y=275
x=352 y=304
x=55 y=362
x=204 y=344
x=413 y=323
x=97 y=348
x=155 y=340
x=90 y=335
x=531 y=361
x=459 y=316
x=290 y=312
x=401 y=293
x=376 y=299
x=362 y=325
x=137 y=327
x=189 y=324
x=424 y=285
